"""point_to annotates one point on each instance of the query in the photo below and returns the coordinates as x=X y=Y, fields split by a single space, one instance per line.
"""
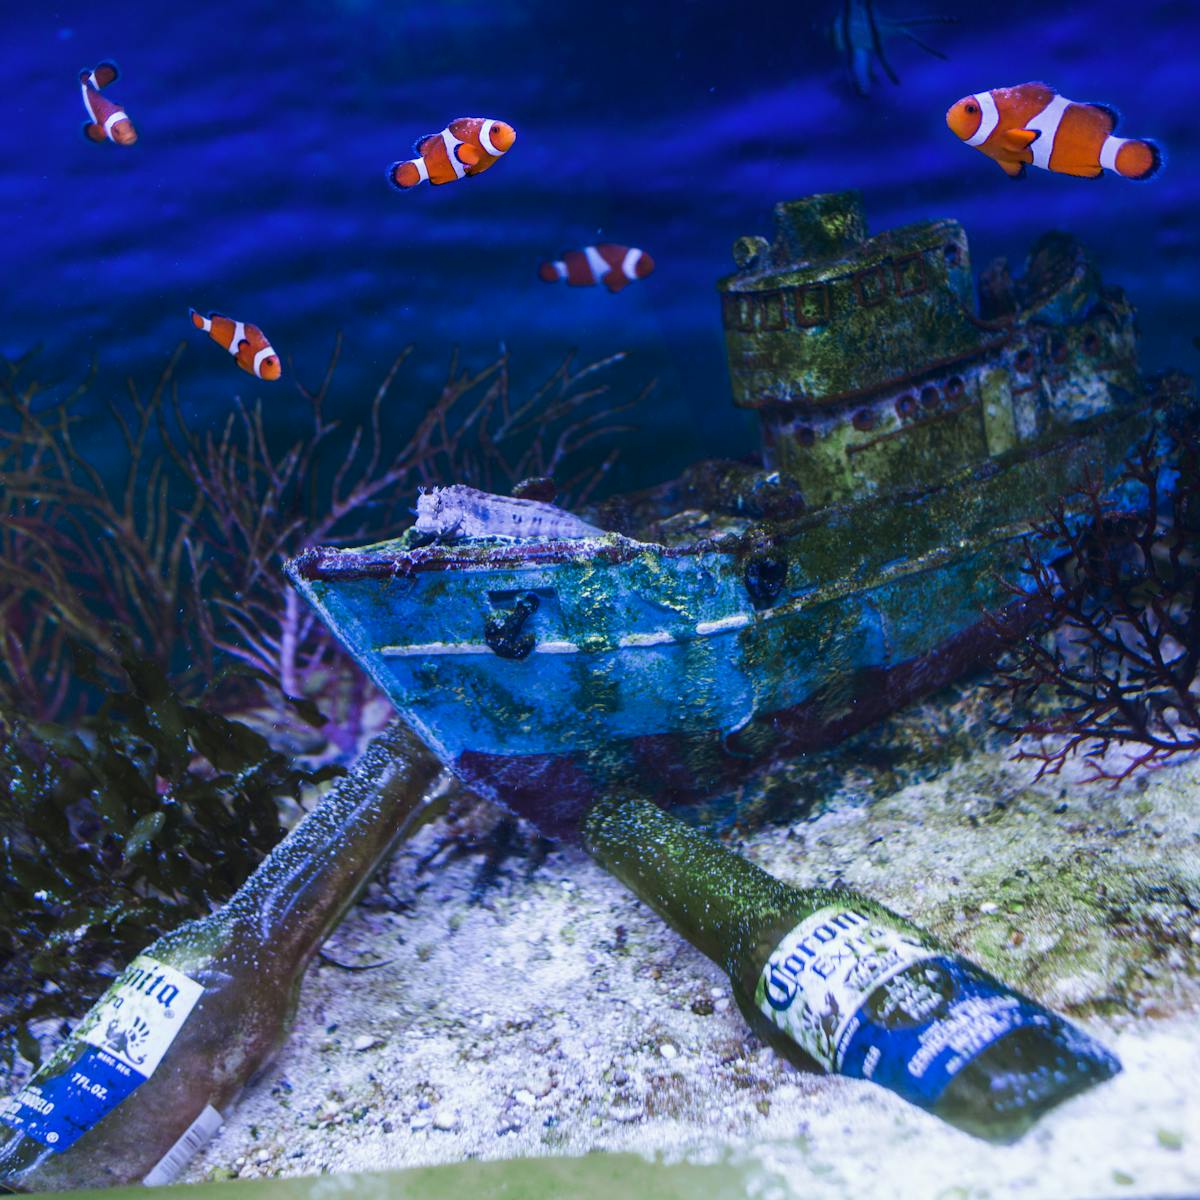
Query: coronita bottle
x=832 y=980
x=151 y=1071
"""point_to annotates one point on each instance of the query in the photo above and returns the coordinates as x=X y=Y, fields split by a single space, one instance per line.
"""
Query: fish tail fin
x=405 y=175
x=548 y=272
x=107 y=72
x=1138 y=159
x=199 y=321
x=94 y=132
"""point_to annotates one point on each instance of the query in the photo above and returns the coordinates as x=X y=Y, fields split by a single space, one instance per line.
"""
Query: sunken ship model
x=743 y=612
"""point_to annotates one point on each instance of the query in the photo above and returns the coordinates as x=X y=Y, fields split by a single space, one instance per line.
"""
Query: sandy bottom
x=560 y=1016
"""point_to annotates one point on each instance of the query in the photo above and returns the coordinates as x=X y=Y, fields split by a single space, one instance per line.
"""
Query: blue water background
x=258 y=187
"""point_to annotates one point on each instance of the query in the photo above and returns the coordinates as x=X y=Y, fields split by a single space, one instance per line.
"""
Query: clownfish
x=467 y=146
x=613 y=266
x=1032 y=123
x=106 y=121
x=247 y=343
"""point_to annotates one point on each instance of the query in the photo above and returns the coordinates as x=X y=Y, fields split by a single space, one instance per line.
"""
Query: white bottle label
x=137 y=1019
x=820 y=974
x=193 y=1139
x=124 y=1038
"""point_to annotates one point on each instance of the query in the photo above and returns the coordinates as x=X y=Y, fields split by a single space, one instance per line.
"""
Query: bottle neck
x=300 y=891
x=722 y=904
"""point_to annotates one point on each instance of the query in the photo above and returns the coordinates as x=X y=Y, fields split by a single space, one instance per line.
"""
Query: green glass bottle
x=834 y=981
x=150 y=1072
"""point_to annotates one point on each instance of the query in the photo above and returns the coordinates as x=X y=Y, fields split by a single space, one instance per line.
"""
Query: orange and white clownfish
x=247 y=343
x=106 y=121
x=613 y=266
x=1032 y=123
x=467 y=146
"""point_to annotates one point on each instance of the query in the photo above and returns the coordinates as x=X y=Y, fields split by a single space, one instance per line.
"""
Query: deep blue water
x=258 y=184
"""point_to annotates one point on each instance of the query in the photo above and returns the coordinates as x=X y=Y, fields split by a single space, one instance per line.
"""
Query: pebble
x=524 y=1096
x=365 y=1041
x=668 y=1051
x=445 y=1120
x=419 y=1122
x=988 y=907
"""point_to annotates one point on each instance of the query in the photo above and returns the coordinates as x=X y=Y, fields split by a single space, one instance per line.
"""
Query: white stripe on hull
x=989 y=118
x=1046 y=124
x=631 y=641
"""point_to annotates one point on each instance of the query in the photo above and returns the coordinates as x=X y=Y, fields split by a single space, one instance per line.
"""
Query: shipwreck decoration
x=740 y=614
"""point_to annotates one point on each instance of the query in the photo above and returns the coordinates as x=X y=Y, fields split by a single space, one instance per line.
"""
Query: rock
x=445 y=1120
x=365 y=1041
x=668 y=1051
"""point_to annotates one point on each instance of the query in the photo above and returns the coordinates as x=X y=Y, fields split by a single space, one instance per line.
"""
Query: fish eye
x=972 y=109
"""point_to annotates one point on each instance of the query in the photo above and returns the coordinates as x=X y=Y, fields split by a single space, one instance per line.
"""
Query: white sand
x=561 y=1016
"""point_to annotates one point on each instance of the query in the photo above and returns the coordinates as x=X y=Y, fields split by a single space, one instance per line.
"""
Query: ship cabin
x=872 y=369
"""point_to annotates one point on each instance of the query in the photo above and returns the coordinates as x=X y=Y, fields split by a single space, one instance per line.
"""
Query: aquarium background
x=258 y=187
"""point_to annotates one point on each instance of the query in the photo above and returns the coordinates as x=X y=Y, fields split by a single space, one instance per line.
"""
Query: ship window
x=1025 y=360
x=813 y=305
x=805 y=435
x=863 y=420
x=870 y=287
x=930 y=397
x=908 y=275
x=954 y=389
x=952 y=254
x=770 y=311
x=1058 y=350
x=906 y=406
x=1091 y=345
x=736 y=313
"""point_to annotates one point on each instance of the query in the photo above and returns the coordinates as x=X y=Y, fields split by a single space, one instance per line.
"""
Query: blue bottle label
x=874 y=1002
x=124 y=1038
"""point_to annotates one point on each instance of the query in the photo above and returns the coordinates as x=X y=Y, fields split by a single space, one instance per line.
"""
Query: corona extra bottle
x=831 y=979
x=151 y=1071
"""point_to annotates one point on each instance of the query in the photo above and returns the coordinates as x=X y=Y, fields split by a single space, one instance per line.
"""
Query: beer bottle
x=151 y=1071
x=832 y=980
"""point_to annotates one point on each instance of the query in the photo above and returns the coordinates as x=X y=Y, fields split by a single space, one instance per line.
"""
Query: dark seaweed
x=183 y=552
x=1121 y=668
x=116 y=828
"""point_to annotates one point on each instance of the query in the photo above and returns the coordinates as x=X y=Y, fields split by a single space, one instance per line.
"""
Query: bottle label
x=874 y=1002
x=124 y=1037
x=193 y=1139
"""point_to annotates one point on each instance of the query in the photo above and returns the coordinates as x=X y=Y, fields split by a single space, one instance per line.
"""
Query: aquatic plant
x=182 y=552
x=1120 y=669
x=117 y=827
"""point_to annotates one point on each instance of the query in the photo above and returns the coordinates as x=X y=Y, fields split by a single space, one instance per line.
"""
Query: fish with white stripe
x=107 y=121
x=467 y=146
x=612 y=265
x=247 y=343
x=1032 y=125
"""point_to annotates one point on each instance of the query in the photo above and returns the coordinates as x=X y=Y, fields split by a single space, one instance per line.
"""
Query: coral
x=1121 y=668
x=183 y=554
x=117 y=827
